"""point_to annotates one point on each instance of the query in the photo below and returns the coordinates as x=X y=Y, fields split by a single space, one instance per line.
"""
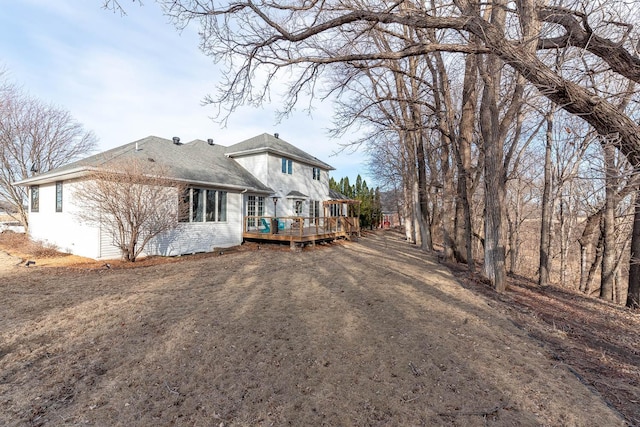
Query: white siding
x=63 y=229
x=257 y=165
x=194 y=237
x=267 y=168
x=300 y=180
x=108 y=249
x=69 y=234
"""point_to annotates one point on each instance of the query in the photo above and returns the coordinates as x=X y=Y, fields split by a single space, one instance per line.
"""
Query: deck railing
x=301 y=226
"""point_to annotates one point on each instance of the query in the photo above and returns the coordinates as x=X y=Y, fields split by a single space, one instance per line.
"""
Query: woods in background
x=510 y=128
x=370 y=201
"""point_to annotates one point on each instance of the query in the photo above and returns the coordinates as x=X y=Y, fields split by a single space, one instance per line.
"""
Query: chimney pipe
x=176 y=140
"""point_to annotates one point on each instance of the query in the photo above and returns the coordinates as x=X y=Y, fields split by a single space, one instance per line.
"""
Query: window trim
x=314 y=209
x=204 y=196
x=255 y=208
x=287 y=166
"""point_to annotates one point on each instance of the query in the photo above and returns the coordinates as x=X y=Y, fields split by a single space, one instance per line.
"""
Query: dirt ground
x=363 y=333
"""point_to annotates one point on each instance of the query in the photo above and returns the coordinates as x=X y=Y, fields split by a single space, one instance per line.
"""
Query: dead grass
x=368 y=333
x=19 y=245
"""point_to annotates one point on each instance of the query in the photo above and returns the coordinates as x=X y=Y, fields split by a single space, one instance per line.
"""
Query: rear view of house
x=231 y=193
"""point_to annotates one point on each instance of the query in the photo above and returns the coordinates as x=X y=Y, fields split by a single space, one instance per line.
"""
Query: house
x=8 y=221
x=264 y=176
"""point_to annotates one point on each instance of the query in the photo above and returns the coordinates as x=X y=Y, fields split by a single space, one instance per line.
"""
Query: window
x=316 y=174
x=298 y=206
x=59 y=196
x=287 y=166
x=255 y=207
x=260 y=206
x=185 y=206
x=314 y=209
x=204 y=205
x=211 y=206
x=222 y=205
x=251 y=211
x=35 y=198
x=197 y=204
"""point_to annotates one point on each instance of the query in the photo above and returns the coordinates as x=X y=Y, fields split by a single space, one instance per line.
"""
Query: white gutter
x=55 y=176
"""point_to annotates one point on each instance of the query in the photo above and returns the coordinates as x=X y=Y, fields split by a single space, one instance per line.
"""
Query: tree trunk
x=494 y=250
x=544 y=268
x=423 y=191
x=633 y=294
x=583 y=268
x=591 y=276
x=463 y=162
x=514 y=236
x=608 y=229
x=590 y=235
x=407 y=188
x=448 y=213
x=563 y=241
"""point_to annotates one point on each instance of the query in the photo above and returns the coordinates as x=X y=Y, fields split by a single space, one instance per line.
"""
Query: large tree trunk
x=590 y=235
x=563 y=244
x=409 y=223
x=608 y=229
x=597 y=262
x=633 y=294
x=448 y=213
x=513 y=222
x=463 y=162
x=494 y=250
x=423 y=191
x=544 y=268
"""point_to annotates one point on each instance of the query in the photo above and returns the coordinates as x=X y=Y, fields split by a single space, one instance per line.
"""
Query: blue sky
x=128 y=77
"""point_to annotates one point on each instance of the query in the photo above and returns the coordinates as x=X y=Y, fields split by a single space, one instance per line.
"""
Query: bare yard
x=367 y=333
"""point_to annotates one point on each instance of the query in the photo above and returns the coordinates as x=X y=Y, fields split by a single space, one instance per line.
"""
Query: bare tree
x=135 y=201
x=261 y=39
x=34 y=138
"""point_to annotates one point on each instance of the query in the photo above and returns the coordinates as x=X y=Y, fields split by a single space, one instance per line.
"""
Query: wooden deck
x=299 y=230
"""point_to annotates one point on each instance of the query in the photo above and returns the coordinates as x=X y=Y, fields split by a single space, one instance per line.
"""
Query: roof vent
x=210 y=141
x=176 y=140
x=277 y=135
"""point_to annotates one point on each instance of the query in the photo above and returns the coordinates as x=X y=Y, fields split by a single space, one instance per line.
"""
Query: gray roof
x=269 y=143
x=194 y=162
x=295 y=193
x=336 y=195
